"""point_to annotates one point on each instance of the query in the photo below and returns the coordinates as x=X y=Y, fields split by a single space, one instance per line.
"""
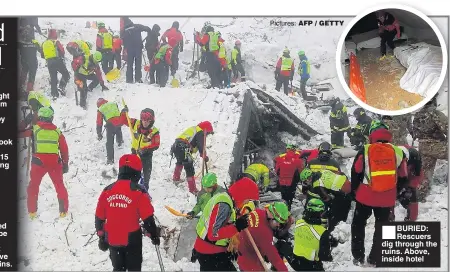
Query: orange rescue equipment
x=381 y=167
x=356 y=81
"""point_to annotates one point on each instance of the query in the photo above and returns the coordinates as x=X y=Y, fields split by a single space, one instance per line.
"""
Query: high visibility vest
x=258 y=172
x=40 y=98
x=49 y=49
x=162 y=52
x=307 y=240
x=189 y=134
x=140 y=140
x=308 y=67
x=106 y=40
x=222 y=52
x=203 y=221
x=46 y=141
x=321 y=167
x=213 y=41
x=84 y=47
x=84 y=69
x=381 y=161
x=109 y=110
x=234 y=54
x=286 y=64
x=330 y=181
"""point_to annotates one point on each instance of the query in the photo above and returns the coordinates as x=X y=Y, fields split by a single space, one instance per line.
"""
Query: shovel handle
x=261 y=259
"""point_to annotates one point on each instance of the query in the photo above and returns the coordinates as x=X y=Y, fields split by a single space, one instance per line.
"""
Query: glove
x=102 y=244
x=125 y=109
x=206 y=159
x=190 y=214
x=99 y=137
x=242 y=222
x=155 y=240
x=65 y=168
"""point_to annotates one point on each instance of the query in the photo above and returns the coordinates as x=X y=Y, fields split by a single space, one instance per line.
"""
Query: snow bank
x=424 y=65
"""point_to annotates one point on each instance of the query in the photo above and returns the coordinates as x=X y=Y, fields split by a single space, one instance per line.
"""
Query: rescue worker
x=236 y=62
x=50 y=156
x=407 y=193
x=259 y=173
x=388 y=28
x=117 y=51
x=132 y=44
x=262 y=223
x=430 y=128
x=161 y=65
x=224 y=75
x=109 y=112
x=339 y=123
x=219 y=223
x=78 y=48
x=28 y=49
x=374 y=187
x=186 y=144
x=209 y=189
x=87 y=68
x=359 y=135
x=324 y=161
x=152 y=42
x=31 y=23
x=36 y=100
x=399 y=126
x=309 y=154
x=211 y=40
x=284 y=71
x=120 y=207
x=53 y=53
x=104 y=44
x=311 y=240
x=304 y=70
x=333 y=189
x=174 y=38
x=288 y=167
x=146 y=140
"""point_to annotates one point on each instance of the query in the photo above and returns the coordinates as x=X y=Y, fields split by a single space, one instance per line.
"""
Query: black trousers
x=302 y=264
x=54 y=66
x=128 y=258
x=147 y=168
x=303 y=87
x=183 y=156
x=202 y=64
x=288 y=194
x=337 y=139
x=214 y=69
x=29 y=65
x=174 y=66
x=362 y=213
x=162 y=73
x=238 y=69
x=282 y=80
x=118 y=59
x=387 y=37
x=83 y=91
x=338 y=210
x=215 y=262
x=107 y=61
x=134 y=60
x=112 y=132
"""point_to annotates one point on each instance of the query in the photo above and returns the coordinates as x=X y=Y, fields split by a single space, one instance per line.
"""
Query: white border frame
x=341 y=74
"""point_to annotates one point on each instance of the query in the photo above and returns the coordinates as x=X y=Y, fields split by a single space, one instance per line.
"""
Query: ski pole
x=161 y=265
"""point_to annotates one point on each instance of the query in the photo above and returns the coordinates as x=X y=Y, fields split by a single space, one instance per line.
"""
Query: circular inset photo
x=391 y=60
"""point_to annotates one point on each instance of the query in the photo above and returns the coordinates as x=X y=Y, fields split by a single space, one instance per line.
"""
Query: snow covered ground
x=62 y=244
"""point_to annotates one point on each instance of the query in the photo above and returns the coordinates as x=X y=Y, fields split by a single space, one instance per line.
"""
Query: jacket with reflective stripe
x=46 y=141
x=49 y=49
x=213 y=41
x=259 y=172
x=162 y=52
x=109 y=110
x=203 y=222
x=369 y=174
x=84 y=47
x=141 y=140
x=106 y=40
x=86 y=68
x=286 y=64
x=41 y=98
x=330 y=181
x=307 y=240
x=189 y=134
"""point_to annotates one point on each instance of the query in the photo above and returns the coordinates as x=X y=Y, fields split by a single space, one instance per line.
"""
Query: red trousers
x=56 y=175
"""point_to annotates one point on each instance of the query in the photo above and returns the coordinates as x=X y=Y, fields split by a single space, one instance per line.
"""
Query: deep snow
x=176 y=109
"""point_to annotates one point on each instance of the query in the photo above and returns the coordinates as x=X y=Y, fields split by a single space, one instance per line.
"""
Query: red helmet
x=244 y=189
x=147 y=115
x=237 y=42
x=132 y=161
x=101 y=101
x=206 y=126
x=52 y=34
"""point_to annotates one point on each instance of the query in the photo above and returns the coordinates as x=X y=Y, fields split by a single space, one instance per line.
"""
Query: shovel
x=113 y=75
x=175 y=82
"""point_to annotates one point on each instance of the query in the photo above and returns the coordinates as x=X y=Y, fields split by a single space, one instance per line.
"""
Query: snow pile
x=424 y=65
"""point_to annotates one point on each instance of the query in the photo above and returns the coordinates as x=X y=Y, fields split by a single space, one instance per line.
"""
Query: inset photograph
x=392 y=60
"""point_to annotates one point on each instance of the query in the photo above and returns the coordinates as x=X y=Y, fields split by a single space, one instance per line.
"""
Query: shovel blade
x=113 y=74
x=175 y=83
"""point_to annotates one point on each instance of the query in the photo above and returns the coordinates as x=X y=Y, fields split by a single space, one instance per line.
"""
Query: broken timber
x=296 y=125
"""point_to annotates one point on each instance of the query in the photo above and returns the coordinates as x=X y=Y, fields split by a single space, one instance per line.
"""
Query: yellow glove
x=233 y=246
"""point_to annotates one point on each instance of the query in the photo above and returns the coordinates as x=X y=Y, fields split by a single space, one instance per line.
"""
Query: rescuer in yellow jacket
x=104 y=44
x=190 y=141
x=259 y=173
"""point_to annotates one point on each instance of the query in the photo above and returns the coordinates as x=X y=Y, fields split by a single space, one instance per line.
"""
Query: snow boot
x=191 y=185
x=177 y=172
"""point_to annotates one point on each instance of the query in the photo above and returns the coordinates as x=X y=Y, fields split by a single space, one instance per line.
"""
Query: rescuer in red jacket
x=211 y=41
x=174 y=38
x=375 y=187
x=50 y=155
x=119 y=208
x=109 y=112
x=262 y=223
x=407 y=193
x=288 y=167
x=388 y=28
x=284 y=71
x=117 y=50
